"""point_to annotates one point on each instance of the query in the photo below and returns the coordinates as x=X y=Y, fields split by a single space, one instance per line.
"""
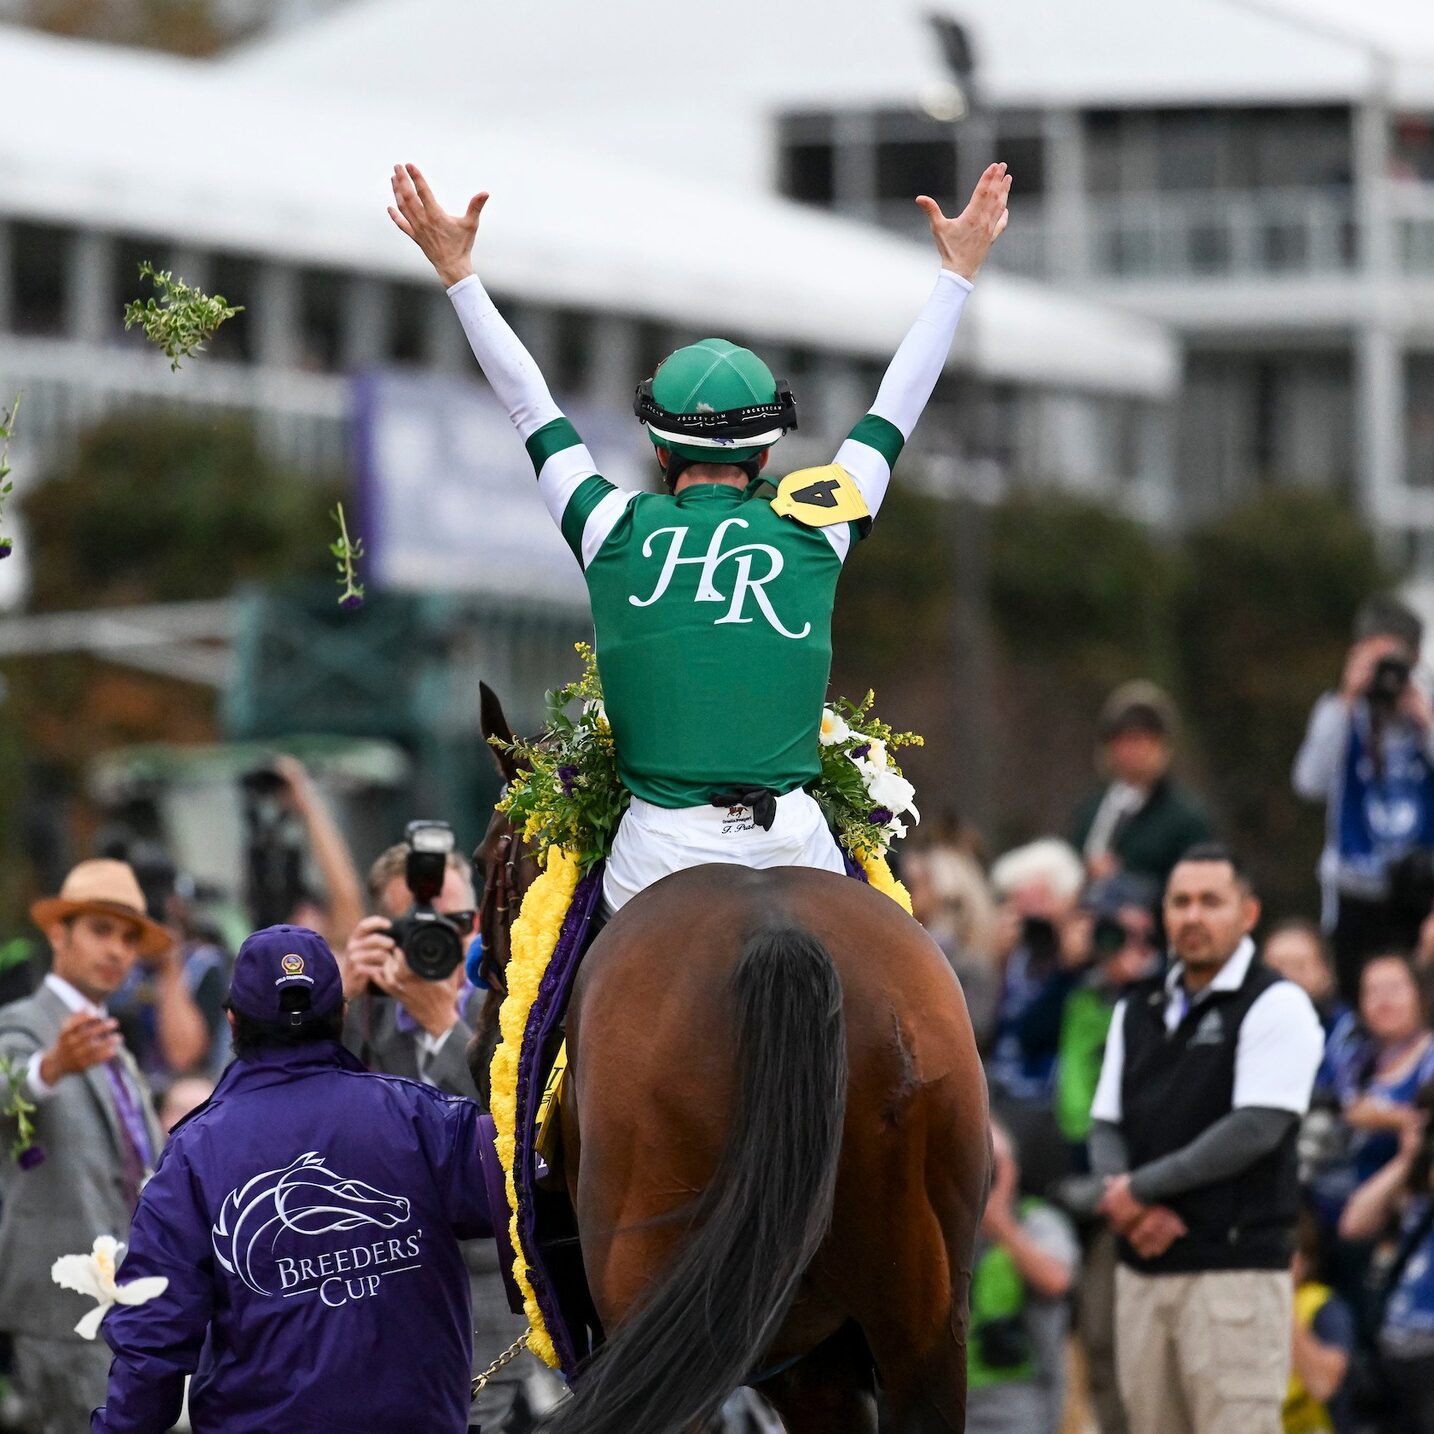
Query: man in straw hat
x=95 y=1134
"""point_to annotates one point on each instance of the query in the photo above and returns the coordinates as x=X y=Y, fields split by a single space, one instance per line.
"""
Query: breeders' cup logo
x=304 y=1198
x=293 y=965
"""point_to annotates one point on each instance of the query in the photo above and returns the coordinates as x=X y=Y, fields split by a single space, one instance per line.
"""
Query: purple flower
x=880 y=816
x=857 y=753
x=352 y=600
x=567 y=775
x=30 y=1157
x=6 y=547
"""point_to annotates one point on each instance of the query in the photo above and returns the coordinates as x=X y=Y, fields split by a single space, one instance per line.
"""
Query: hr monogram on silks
x=707 y=590
x=269 y=1234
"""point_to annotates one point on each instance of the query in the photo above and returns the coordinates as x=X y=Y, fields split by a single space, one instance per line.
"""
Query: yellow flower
x=535 y=936
x=878 y=873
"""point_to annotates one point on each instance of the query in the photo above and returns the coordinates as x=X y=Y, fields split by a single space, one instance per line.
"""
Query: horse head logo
x=305 y=1197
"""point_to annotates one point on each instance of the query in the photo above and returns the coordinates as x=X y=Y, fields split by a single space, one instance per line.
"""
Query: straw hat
x=105 y=888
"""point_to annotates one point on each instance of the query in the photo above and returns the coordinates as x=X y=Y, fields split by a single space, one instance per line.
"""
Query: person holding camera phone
x=1369 y=756
x=411 y=1009
x=1401 y=1196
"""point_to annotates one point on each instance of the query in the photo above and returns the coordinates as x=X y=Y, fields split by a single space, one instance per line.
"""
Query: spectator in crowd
x=341 y=908
x=1025 y=1265
x=951 y=899
x=96 y=1135
x=1123 y=952
x=163 y=1023
x=185 y=1096
x=1374 y=1067
x=1400 y=1196
x=1297 y=950
x=1045 y=942
x=1142 y=819
x=1368 y=755
x=320 y=1325
x=1207 y=1072
x=399 y=1023
x=1322 y=1345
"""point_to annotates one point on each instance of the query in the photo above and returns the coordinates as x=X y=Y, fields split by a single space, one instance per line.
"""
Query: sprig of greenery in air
x=182 y=319
x=7 y=431
x=24 y=1149
x=348 y=552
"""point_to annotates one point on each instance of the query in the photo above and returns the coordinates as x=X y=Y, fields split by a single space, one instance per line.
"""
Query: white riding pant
x=653 y=842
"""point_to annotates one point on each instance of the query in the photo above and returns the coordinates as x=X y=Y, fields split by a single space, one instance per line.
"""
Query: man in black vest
x=1207 y=1072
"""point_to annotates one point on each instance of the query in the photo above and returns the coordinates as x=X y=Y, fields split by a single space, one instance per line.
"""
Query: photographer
x=280 y=798
x=1369 y=756
x=1403 y=1191
x=400 y=1022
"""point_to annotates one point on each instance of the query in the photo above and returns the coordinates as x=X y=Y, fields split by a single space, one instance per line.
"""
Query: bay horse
x=775 y=1139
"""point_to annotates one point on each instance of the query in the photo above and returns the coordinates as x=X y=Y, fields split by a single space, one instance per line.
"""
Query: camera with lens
x=432 y=944
x=1108 y=937
x=1391 y=677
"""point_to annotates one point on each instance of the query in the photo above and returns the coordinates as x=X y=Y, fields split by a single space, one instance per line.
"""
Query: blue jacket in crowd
x=307 y=1219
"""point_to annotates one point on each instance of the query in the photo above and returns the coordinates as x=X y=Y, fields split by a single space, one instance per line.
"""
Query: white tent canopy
x=211 y=155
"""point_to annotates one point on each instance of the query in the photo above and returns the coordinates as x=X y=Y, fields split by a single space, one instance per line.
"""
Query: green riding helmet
x=713 y=402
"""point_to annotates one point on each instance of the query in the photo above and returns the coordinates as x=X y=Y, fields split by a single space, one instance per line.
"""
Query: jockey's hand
x=446 y=239
x=366 y=954
x=965 y=241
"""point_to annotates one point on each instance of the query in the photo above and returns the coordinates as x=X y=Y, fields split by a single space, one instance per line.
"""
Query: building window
x=321 y=300
x=409 y=323
x=38 y=278
x=232 y=277
x=907 y=167
x=808 y=173
x=1025 y=157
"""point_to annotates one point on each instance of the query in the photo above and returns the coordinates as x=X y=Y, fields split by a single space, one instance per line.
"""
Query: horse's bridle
x=503 y=887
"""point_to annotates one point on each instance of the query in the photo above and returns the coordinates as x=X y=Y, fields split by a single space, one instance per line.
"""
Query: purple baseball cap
x=285 y=975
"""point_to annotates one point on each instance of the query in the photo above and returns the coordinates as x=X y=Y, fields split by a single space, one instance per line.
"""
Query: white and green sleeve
x=873 y=446
x=583 y=504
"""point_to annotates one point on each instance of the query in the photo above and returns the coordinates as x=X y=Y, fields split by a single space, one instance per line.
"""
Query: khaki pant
x=1203 y=1354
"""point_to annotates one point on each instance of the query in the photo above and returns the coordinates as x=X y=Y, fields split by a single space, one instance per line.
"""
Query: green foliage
x=158 y=508
x=1076 y=583
x=567 y=793
x=183 y=318
x=861 y=791
x=1263 y=622
x=7 y=432
x=17 y=1109
x=347 y=554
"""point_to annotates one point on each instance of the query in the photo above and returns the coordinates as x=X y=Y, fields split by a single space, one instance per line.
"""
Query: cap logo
x=293 y=965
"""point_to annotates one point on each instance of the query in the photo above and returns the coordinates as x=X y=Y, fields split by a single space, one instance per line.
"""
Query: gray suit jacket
x=371 y=1032
x=77 y=1193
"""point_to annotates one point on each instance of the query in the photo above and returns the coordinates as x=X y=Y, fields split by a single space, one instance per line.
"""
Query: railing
x=302 y=419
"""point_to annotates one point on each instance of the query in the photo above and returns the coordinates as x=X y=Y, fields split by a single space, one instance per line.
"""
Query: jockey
x=712 y=601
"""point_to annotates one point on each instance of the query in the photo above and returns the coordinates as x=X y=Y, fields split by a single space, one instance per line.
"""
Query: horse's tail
x=698 y=1335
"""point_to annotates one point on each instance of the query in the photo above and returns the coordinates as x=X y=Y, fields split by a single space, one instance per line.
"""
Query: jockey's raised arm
x=560 y=459
x=872 y=447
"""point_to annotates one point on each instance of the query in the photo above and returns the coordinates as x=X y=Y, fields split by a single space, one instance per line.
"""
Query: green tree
x=1263 y=622
x=163 y=509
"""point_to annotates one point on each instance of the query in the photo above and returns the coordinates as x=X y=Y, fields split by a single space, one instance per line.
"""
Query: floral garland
x=568 y=793
x=535 y=936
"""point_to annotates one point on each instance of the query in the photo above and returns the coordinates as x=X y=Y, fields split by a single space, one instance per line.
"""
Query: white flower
x=94 y=1275
x=834 y=728
x=877 y=755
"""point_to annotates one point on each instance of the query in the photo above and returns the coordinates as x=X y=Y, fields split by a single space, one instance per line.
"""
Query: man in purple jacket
x=307 y=1219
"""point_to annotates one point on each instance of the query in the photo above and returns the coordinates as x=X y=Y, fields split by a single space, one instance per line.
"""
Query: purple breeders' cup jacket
x=307 y=1219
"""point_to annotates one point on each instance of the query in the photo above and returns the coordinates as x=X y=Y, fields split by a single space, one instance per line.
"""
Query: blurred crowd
x=1047 y=939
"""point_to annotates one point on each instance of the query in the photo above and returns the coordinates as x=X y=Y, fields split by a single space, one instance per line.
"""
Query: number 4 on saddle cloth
x=546 y=1225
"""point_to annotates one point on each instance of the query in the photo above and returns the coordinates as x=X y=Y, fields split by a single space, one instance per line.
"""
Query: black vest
x=1173 y=1088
